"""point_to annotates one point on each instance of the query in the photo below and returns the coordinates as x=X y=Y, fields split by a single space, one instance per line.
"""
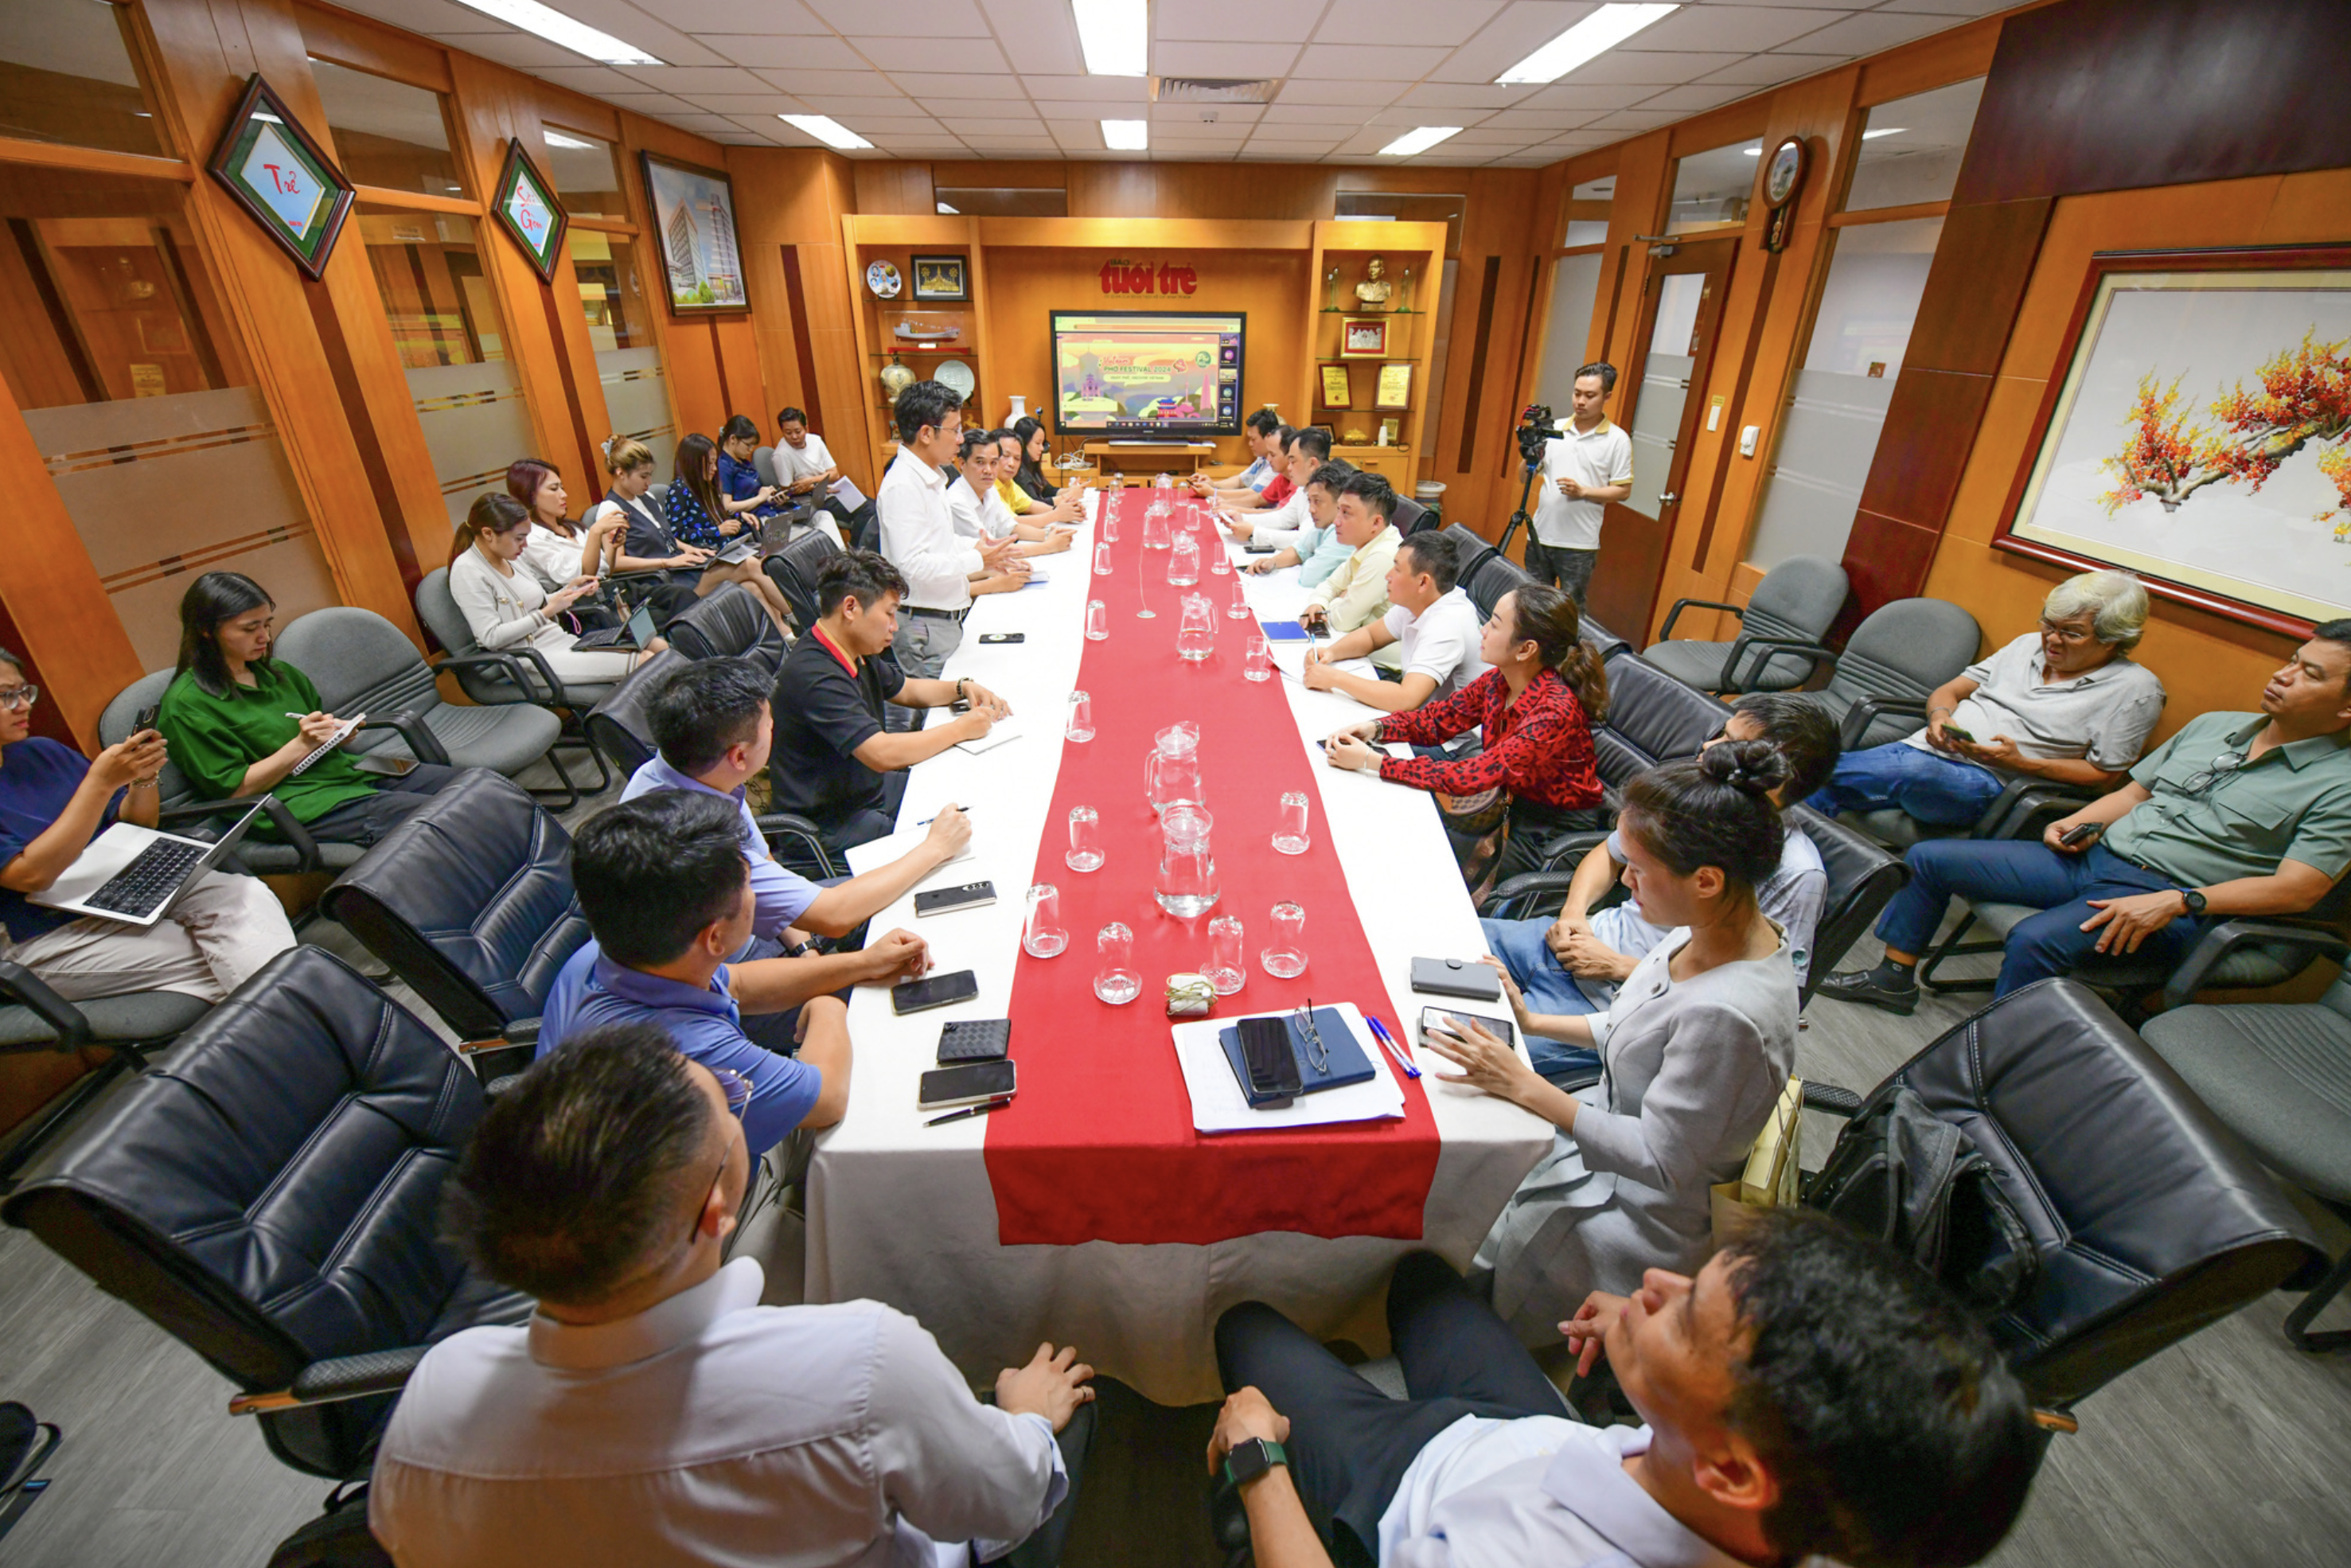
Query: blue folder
x=1348 y=1062
x=1285 y=631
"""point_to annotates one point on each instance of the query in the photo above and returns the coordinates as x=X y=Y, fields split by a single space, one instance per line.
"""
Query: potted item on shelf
x=896 y=378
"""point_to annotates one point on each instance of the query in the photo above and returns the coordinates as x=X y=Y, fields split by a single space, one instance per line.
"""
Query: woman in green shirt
x=230 y=719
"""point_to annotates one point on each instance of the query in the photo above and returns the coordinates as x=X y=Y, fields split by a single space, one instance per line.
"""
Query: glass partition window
x=1587 y=212
x=1666 y=373
x=1911 y=148
x=445 y=323
x=620 y=326
x=386 y=133
x=138 y=396
x=587 y=175
x=65 y=75
x=1002 y=201
x=1711 y=189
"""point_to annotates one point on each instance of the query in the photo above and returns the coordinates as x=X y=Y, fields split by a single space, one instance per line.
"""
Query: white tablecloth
x=904 y=1213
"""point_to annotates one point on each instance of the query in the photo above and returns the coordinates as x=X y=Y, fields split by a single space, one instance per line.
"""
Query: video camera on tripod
x=1536 y=431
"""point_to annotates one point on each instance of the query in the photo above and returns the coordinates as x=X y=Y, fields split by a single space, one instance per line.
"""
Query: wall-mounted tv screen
x=1140 y=375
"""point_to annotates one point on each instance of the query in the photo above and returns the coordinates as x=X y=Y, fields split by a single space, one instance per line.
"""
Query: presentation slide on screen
x=1138 y=374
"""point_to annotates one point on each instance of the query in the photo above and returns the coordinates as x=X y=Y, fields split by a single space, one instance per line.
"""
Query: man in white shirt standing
x=1429 y=618
x=1765 y=1441
x=1584 y=469
x=918 y=535
x=653 y=1411
x=977 y=508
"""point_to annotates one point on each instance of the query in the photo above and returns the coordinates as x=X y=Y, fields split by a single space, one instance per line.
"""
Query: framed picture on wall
x=942 y=277
x=1337 y=390
x=282 y=178
x=530 y=210
x=1362 y=337
x=1394 y=388
x=2195 y=433
x=694 y=221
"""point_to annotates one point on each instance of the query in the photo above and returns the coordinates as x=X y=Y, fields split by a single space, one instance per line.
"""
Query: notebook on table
x=136 y=874
x=1339 y=1063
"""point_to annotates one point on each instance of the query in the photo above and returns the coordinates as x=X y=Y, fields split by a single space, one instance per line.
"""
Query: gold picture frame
x=1338 y=387
x=1394 y=388
x=1362 y=337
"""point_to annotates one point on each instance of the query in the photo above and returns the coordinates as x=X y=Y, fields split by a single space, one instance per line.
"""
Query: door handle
x=1668 y=498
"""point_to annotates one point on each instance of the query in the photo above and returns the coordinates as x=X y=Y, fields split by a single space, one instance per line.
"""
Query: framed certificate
x=1362 y=337
x=1337 y=389
x=1394 y=390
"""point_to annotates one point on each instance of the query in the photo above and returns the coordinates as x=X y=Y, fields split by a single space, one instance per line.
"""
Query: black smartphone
x=1457 y=977
x=1272 y=1065
x=970 y=895
x=1956 y=733
x=146 y=719
x=2081 y=836
x=1253 y=548
x=974 y=1083
x=1004 y=636
x=933 y=991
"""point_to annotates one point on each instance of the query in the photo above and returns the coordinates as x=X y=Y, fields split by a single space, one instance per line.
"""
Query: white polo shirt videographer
x=1585 y=467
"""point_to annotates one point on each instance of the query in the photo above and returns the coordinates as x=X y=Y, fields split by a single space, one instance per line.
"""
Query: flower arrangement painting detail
x=2242 y=436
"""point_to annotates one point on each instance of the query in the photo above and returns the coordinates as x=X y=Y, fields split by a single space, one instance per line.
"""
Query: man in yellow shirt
x=1357 y=593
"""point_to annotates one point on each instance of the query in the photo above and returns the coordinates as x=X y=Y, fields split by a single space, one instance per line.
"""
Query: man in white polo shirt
x=1585 y=468
x=805 y=468
x=1262 y=431
x=1301 y=453
x=1429 y=618
x=977 y=507
x=918 y=535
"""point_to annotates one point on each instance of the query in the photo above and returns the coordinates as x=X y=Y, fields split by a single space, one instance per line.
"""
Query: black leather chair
x=1496 y=575
x=1601 y=640
x=729 y=624
x=1651 y=716
x=470 y=901
x=34 y=1017
x=2149 y=1218
x=618 y=725
x=269 y=1197
x=1410 y=516
x=793 y=569
x=1469 y=546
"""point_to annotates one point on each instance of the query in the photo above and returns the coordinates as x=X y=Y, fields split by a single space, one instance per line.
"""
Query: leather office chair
x=729 y=624
x=1780 y=629
x=34 y=1018
x=488 y=676
x=1496 y=575
x=26 y=1445
x=470 y=901
x=361 y=663
x=293 y=850
x=793 y=569
x=1651 y=718
x=1410 y=516
x=620 y=725
x=1601 y=640
x=269 y=1197
x=1470 y=548
x=2148 y=1218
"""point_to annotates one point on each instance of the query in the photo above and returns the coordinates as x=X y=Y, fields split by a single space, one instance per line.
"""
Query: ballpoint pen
x=926 y=821
x=969 y=1111
x=1395 y=1049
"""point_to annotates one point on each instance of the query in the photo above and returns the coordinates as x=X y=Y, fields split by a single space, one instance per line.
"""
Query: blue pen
x=1395 y=1049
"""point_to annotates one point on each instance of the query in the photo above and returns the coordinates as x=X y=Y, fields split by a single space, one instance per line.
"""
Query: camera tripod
x=1526 y=489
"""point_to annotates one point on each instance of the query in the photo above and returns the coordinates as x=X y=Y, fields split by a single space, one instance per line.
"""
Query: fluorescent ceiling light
x=1126 y=135
x=1753 y=152
x=1595 y=35
x=1418 y=139
x=827 y=129
x=1889 y=130
x=557 y=29
x=1115 y=36
x=950 y=211
x=557 y=138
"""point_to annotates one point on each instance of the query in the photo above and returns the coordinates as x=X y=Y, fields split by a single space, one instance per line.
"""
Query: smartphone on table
x=973 y=1084
x=940 y=900
x=1272 y=1065
x=993 y=637
x=933 y=991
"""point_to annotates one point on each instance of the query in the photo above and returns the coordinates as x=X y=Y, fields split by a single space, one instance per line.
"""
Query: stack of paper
x=1220 y=1106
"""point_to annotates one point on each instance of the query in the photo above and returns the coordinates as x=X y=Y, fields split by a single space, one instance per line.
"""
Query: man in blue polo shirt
x=667 y=894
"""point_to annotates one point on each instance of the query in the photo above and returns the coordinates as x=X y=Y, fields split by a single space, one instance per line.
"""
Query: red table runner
x=1099 y=1145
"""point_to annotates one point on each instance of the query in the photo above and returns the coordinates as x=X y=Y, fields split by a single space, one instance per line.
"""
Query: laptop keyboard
x=153 y=875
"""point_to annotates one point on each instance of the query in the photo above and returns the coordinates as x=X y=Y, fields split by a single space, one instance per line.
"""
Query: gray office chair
x=763 y=464
x=291 y=849
x=491 y=676
x=1900 y=653
x=34 y=1017
x=2279 y=1076
x=1792 y=607
x=361 y=663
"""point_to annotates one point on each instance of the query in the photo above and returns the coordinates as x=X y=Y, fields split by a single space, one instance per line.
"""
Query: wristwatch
x=2194 y=901
x=1251 y=1458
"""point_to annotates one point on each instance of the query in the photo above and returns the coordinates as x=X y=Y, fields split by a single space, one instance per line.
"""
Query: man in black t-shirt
x=832 y=761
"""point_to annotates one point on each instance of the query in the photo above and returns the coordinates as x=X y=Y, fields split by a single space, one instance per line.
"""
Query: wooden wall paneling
x=689 y=345
x=1931 y=62
x=894 y=187
x=201 y=58
x=797 y=199
x=367 y=46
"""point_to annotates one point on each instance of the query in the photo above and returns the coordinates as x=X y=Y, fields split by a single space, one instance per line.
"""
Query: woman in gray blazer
x=1696 y=1051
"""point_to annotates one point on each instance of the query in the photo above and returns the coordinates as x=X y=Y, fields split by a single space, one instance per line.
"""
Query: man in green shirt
x=2238 y=813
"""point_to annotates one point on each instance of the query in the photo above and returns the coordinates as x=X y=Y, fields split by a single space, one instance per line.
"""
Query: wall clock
x=1783 y=174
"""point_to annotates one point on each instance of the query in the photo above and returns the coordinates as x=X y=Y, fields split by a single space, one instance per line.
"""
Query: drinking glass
x=1258 y=664
x=1116 y=979
x=1290 y=834
x=1284 y=957
x=1044 y=935
x=1220 y=559
x=1110 y=525
x=1097 y=621
x=1102 y=558
x=1080 y=725
x=1239 y=608
x=1085 y=839
x=1227 y=966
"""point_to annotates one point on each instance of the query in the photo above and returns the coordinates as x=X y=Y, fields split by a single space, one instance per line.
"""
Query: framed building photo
x=1337 y=389
x=942 y=277
x=1394 y=388
x=530 y=210
x=2195 y=434
x=282 y=178
x=1362 y=337
x=693 y=219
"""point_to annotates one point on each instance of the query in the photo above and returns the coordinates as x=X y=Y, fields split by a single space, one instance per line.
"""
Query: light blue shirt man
x=781 y=896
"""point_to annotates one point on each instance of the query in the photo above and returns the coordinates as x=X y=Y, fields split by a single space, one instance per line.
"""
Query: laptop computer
x=136 y=874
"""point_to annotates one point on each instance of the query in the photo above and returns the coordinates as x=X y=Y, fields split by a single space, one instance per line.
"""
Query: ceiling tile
x=520 y=50
x=1479 y=136
x=1626 y=122
x=1407 y=115
x=904 y=18
x=1038 y=34
x=900 y=126
x=1243 y=61
x=1651 y=67
x=1063 y=108
x=1283 y=21
x=922 y=84
x=1368 y=95
x=1316 y=114
x=717 y=127
x=694 y=79
x=1519 y=30
x=656 y=104
x=434 y=16
x=1692 y=99
x=1015 y=110
x=1463 y=94
x=596 y=80
x=835 y=84
x=1953 y=7
x=962 y=55
x=734 y=103
x=1179 y=113
x=972 y=128
x=1387 y=62
x=1769 y=71
x=1111 y=90
x=1405 y=21
x=646 y=28
x=782 y=17
x=1868 y=35
x=1567 y=95
x=1541 y=120
x=862 y=110
x=1801 y=4
x=804 y=52
x=1732 y=27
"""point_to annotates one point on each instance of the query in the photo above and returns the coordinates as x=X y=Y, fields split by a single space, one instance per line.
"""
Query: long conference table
x=1089 y=1211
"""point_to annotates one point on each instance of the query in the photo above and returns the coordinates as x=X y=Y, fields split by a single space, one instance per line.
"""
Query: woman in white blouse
x=506 y=608
x=558 y=549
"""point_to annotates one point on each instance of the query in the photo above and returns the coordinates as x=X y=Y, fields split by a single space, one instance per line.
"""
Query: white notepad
x=1220 y=1106
x=877 y=852
x=997 y=734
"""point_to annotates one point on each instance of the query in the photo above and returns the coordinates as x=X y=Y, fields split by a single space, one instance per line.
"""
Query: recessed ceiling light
x=557 y=29
x=1115 y=36
x=1126 y=135
x=1418 y=139
x=1595 y=35
x=1889 y=130
x=827 y=129
x=950 y=211
x=557 y=138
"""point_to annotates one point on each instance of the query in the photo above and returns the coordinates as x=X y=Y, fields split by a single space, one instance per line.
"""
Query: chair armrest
x=1863 y=714
x=1514 y=899
x=1666 y=630
x=1825 y=660
x=281 y=817
x=791 y=825
x=1832 y=1098
x=2225 y=938
x=336 y=1379
x=2024 y=807
x=20 y=985
x=411 y=728
x=509 y=663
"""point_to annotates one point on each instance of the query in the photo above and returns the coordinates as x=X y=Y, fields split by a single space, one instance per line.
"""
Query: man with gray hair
x=2063 y=702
